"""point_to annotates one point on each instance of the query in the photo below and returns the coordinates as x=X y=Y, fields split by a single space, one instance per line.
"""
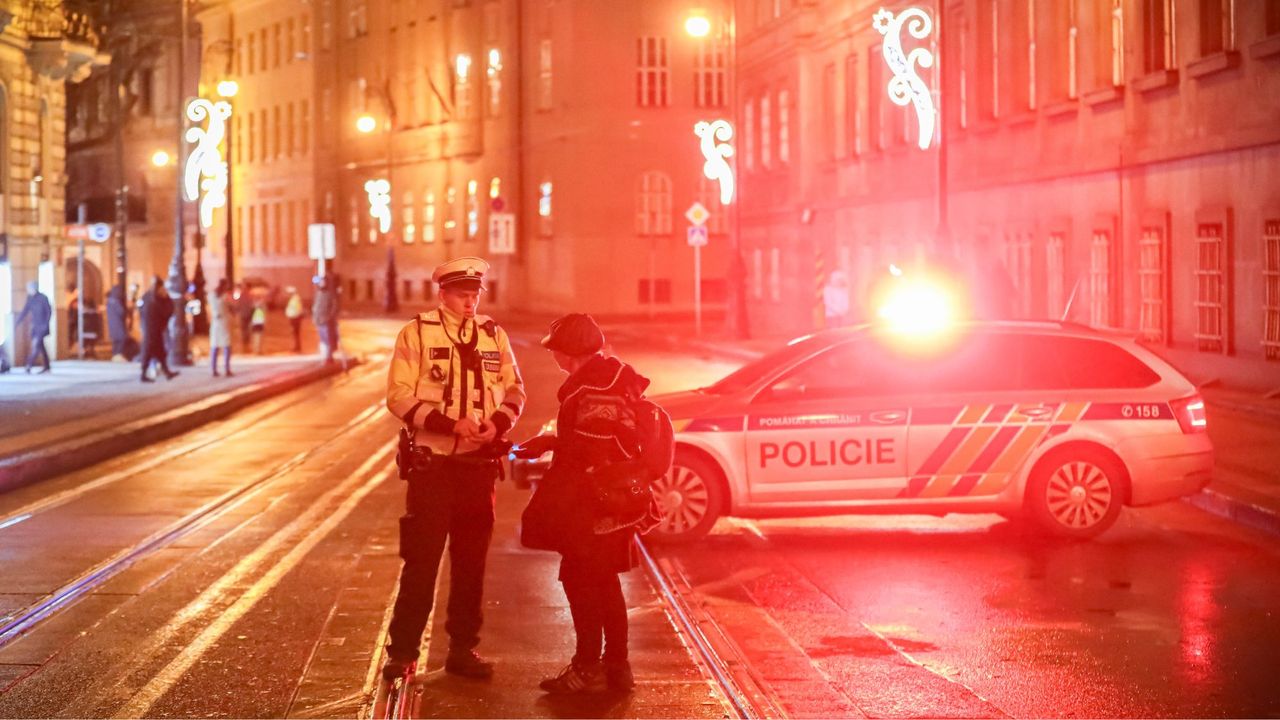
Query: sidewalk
x=85 y=411
x=1244 y=426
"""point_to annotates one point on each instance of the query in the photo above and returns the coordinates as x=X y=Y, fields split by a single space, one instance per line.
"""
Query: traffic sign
x=497 y=204
x=97 y=232
x=321 y=241
x=697 y=236
x=100 y=232
x=698 y=214
x=502 y=233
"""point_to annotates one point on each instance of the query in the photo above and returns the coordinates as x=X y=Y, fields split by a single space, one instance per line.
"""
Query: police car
x=1057 y=422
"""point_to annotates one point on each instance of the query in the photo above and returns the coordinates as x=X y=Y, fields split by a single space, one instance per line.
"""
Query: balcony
x=65 y=38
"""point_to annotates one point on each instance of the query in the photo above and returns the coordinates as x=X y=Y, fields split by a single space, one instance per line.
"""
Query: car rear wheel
x=1077 y=493
x=691 y=498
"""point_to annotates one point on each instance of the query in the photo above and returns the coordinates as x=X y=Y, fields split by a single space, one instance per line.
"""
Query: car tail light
x=1190 y=414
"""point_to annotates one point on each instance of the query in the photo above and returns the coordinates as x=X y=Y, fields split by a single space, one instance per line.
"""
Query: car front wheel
x=691 y=498
x=1076 y=494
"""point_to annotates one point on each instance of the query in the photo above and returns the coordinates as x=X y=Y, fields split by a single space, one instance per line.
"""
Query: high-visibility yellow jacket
x=431 y=382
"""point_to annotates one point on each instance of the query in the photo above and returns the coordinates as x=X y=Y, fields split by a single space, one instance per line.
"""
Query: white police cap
x=465 y=272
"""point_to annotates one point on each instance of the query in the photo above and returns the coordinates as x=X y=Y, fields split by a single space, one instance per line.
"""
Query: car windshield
x=753 y=372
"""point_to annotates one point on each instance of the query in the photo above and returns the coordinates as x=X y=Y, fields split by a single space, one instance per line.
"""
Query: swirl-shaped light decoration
x=379 y=192
x=906 y=86
x=205 y=169
x=715 y=137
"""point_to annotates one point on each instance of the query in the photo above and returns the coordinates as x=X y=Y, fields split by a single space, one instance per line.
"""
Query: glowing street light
x=366 y=124
x=228 y=88
x=697 y=25
x=160 y=158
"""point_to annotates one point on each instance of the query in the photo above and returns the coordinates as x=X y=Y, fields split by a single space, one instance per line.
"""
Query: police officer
x=454 y=383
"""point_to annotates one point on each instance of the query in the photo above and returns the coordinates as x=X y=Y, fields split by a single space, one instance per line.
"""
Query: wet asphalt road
x=274 y=605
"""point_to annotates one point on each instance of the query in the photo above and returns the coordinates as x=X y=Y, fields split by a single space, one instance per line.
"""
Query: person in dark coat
x=244 y=307
x=587 y=432
x=41 y=313
x=157 y=308
x=324 y=313
x=117 y=320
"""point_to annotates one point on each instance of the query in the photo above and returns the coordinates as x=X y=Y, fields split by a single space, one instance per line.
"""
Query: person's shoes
x=228 y=373
x=618 y=675
x=46 y=370
x=577 y=679
x=147 y=379
x=468 y=664
x=171 y=374
x=398 y=669
x=215 y=373
x=28 y=371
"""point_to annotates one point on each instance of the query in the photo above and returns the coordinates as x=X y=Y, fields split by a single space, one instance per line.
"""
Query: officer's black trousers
x=454 y=503
x=598 y=608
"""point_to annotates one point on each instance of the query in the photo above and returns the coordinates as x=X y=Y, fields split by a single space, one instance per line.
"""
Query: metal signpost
x=697 y=216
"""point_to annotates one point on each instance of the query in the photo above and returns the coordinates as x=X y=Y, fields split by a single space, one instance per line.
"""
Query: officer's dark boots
x=468 y=664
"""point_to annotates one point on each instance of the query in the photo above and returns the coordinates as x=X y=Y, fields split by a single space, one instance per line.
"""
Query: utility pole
x=179 y=336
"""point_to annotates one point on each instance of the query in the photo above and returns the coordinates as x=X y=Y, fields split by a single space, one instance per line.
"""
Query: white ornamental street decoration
x=906 y=86
x=205 y=169
x=379 y=192
x=715 y=136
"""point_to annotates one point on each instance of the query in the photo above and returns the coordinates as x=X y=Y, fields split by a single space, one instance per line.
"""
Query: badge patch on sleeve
x=439 y=353
x=492 y=367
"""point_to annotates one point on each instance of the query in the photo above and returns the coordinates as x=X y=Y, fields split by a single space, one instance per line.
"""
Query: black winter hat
x=574 y=334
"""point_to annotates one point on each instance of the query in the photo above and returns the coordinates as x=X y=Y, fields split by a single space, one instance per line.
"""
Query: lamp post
x=698 y=25
x=379 y=193
x=179 y=335
x=228 y=89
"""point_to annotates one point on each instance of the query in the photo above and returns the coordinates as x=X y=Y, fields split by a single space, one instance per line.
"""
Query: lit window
x=1212 y=292
x=749 y=135
x=357 y=19
x=462 y=86
x=1100 y=279
x=495 y=188
x=653 y=204
x=710 y=83
x=766 y=134
x=494 y=74
x=757 y=274
x=450 y=219
x=473 y=209
x=775 y=274
x=1117 y=43
x=1271 y=289
x=544 y=208
x=1152 y=284
x=354 y=220
x=429 y=217
x=544 y=74
x=852 y=121
x=1158 y=47
x=652 y=74
x=784 y=127
x=410 y=227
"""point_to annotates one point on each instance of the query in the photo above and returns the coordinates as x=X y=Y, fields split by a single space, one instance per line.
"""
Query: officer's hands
x=534 y=447
x=466 y=428
x=486 y=432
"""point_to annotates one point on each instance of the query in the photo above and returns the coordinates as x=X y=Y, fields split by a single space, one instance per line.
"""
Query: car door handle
x=1036 y=412
x=888 y=417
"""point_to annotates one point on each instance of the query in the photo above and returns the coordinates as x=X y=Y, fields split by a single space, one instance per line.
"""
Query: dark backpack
x=655 y=437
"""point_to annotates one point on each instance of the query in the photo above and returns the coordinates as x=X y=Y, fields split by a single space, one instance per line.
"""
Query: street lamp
x=160 y=158
x=228 y=89
x=366 y=124
x=697 y=25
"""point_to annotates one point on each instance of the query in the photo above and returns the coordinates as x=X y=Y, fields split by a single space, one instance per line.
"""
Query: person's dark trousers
x=297 y=333
x=213 y=359
x=37 y=348
x=149 y=357
x=598 y=608
x=453 y=502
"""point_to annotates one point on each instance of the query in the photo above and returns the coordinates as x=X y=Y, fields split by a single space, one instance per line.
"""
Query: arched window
x=653 y=204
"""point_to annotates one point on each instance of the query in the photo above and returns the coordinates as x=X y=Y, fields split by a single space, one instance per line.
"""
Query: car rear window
x=1071 y=363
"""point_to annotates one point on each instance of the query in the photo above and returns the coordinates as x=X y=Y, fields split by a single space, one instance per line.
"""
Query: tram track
x=66 y=595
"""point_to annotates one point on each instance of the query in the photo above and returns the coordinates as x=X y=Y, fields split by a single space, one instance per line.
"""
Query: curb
x=67 y=455
x=1236 y=510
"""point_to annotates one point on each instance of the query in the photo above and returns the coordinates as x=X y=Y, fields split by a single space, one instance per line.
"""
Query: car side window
x=1070 y=363
x=980 y=362
x=850 y=370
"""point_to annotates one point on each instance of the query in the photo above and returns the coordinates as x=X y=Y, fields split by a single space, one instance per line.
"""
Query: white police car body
x=1059 y=422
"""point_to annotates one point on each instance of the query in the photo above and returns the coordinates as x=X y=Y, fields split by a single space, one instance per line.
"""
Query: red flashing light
x=1190 y=414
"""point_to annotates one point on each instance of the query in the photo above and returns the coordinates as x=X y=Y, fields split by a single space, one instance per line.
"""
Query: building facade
x=490 y=124
x=43 y=46
x=1120 y=159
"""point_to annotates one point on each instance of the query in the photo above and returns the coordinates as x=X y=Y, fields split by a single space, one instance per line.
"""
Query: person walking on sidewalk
x=244 y=313
x=156 y=310
x=258 y=324
x=324 y=313
x=597 y=430
x=294 y=310
x=220 y=305
x=41 y=314
x=454 y=383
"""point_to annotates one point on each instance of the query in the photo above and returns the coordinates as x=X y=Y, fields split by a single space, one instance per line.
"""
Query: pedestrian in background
x=220 y=307
x=595 y=427
x=258 y=324
x=835 y=299
x=324 y=313
x=41 y=314
x=117 y=321
x=157 y=309
x=244 y=312
x=294 y=310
